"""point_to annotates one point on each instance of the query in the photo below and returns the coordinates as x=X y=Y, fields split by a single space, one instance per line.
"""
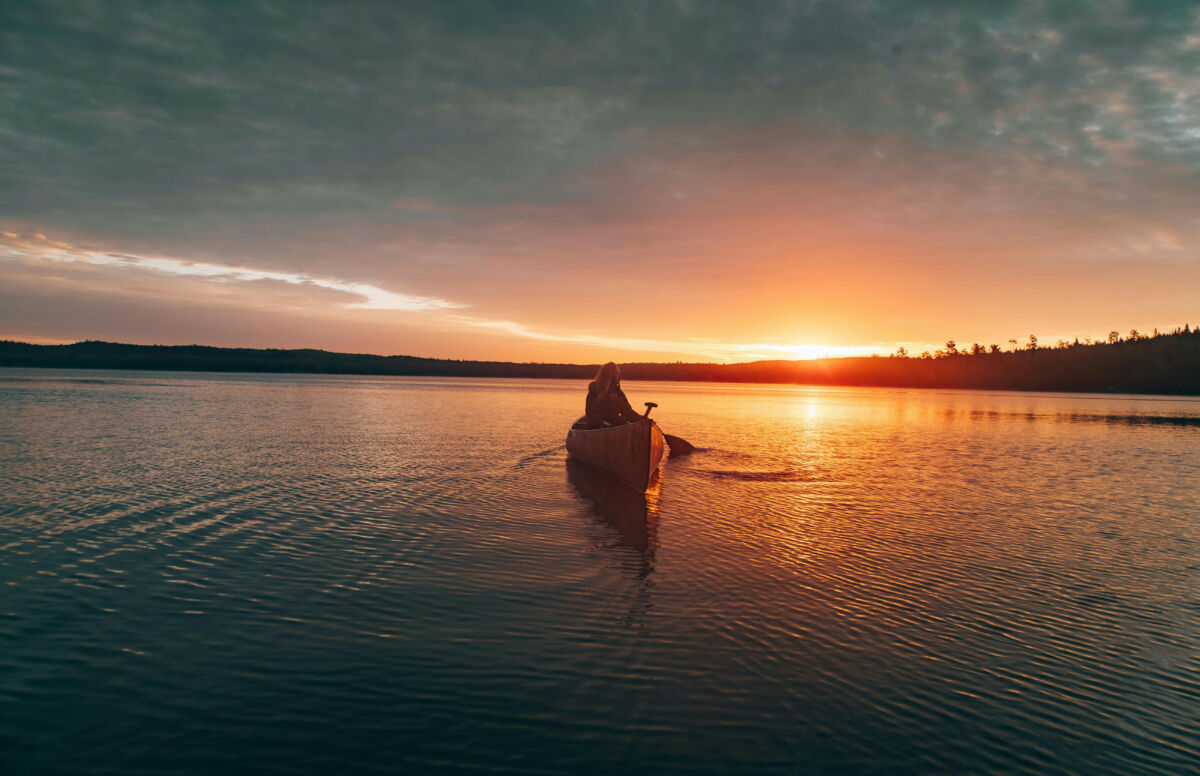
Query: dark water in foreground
x=282 y=574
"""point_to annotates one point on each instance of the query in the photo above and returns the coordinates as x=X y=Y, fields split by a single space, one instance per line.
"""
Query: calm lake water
x=303 y=574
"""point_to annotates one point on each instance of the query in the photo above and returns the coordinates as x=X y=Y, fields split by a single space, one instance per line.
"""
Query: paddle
x=677 y=445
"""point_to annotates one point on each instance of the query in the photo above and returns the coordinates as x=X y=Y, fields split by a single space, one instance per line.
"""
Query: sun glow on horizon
x=806 y=352
x=349 y=299
x=119 y=268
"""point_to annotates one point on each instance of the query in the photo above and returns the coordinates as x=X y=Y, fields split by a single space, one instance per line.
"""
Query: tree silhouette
x=1167 y=363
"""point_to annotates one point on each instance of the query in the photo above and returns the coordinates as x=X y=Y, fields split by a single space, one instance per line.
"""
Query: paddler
x=606 y=402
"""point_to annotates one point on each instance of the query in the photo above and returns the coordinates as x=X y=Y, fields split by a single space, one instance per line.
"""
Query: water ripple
x=287 y=574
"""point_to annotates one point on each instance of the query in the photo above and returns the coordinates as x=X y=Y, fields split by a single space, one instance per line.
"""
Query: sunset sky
x=544 y=181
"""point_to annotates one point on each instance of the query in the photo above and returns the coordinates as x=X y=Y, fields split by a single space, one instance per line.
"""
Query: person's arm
x=622 y=405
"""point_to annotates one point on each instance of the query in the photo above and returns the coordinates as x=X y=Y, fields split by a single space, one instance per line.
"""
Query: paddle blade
x=678 y=446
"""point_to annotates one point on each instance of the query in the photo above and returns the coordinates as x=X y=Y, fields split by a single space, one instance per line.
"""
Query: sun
x=796 y=352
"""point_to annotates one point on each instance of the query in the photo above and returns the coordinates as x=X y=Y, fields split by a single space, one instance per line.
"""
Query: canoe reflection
x=631 y=516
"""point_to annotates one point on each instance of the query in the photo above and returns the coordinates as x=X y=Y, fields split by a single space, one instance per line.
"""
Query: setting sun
x=800 y=352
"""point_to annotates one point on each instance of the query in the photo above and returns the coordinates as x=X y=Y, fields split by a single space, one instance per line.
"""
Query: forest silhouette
x=1162 y=363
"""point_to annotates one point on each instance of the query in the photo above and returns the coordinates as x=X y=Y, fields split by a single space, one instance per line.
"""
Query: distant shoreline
x=1159 y=364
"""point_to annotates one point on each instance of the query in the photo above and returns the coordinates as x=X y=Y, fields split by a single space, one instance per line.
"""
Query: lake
x=209 y=573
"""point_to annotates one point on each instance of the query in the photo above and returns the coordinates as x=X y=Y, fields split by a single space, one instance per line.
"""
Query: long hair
x=607 y=378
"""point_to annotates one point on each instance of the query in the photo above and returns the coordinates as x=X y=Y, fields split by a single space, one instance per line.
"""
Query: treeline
x=1167 y=363
x=202 y=358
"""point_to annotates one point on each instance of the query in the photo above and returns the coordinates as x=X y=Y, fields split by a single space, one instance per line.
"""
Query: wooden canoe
x=629 y=453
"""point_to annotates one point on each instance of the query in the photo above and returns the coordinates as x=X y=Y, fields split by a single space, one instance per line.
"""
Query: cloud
x=708 y=350
x=144 y=111
x=37 y=246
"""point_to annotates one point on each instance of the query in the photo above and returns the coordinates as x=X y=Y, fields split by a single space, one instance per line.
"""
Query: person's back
x=606 y=402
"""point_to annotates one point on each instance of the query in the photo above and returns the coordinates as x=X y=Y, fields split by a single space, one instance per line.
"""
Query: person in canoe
x=606 y=402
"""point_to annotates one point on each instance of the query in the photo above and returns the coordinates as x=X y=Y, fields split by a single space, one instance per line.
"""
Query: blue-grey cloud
x=145 y=110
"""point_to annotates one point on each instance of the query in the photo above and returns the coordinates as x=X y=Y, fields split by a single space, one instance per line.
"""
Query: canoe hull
x=629 y=453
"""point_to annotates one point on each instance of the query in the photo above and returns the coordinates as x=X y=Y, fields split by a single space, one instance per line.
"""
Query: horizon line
x=1030 y=345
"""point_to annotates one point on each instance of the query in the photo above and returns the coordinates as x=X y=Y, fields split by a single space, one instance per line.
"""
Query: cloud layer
x=651 y=174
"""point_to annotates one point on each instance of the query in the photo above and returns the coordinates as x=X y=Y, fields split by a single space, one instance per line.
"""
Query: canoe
x=629 y=453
